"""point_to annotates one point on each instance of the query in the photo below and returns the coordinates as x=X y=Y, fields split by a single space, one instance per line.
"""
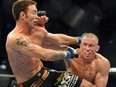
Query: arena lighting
x=60 y=5
x=79 y=30
x=79 y=20
x=89 y=14
x=95 y=11
x=108 y=6
x=75 y=16
x=55 y=8
x=110 y=44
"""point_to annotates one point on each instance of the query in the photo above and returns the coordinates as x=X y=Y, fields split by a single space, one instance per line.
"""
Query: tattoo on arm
x=22 y=42
x=57 y=57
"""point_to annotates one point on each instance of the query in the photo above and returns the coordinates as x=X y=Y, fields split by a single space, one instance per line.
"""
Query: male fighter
x=90 y=65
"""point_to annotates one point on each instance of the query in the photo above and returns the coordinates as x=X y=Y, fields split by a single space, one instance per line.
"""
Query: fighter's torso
x=24 y=66
x=87 y=71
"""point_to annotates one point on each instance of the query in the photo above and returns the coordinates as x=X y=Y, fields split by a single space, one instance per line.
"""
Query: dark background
x=71 y=17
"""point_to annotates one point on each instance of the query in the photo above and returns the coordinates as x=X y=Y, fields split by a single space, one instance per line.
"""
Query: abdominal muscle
x=25 y=67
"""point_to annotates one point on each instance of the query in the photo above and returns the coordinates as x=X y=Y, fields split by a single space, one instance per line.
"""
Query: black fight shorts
x=53 y=79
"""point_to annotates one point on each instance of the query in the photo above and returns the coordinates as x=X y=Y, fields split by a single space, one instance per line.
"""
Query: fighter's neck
x=23 y=29
x=84 y=61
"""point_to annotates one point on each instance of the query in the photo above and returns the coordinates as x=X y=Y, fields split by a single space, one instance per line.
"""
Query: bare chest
x=88 y=72
x=37 y=37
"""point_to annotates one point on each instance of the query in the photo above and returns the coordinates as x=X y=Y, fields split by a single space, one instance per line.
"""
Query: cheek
x=31 y=19
x=95 y=49
x=82 y=51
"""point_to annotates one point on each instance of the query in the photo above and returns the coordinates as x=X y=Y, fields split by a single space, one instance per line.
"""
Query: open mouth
x=87 y=54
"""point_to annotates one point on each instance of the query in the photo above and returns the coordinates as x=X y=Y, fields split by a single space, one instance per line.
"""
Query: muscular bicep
x=53 y=38
x=102 y=75
x=22 y=45
x=100 y=81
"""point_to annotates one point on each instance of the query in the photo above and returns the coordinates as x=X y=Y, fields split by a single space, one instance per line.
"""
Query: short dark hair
x=90 y=35
x=21 y=5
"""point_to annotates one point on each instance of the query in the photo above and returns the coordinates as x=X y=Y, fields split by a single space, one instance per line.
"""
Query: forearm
x=57 y=56
x=67 y=54
x=47 y=54
x=63 y=39
x=66 y=40
x=33 y=50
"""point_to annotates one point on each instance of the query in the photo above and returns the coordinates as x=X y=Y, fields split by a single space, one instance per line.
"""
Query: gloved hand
x=71 y=53
x=41 y=13
x=42 y=18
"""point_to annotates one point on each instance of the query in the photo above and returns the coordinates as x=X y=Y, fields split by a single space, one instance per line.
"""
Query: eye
x=34 y=12
x=92 y=45
x=84 y=44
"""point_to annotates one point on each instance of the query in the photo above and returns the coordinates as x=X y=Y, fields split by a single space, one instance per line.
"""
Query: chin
x=87 y=57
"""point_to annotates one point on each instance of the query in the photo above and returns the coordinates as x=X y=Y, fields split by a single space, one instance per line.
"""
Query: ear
x=97 y=48
x=22 y=15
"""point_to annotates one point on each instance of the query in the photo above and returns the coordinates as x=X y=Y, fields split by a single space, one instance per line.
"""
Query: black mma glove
x=71 y=53
x=41 y=13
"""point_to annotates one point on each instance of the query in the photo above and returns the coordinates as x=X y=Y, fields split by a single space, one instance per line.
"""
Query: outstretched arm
x=62 y=39
x=21 y=44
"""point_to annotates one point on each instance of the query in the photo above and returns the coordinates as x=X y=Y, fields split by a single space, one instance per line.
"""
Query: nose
x=87 y=47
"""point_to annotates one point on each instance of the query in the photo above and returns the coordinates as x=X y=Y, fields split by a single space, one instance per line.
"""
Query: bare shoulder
x=101 y=57
x=40 y=29
x=13 y=38
x=102 y=61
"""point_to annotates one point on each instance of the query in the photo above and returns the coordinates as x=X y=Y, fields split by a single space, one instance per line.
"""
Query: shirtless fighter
x=90 y=65
x=29 y=43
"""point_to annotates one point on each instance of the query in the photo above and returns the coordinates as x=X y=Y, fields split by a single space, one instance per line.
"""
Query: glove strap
x=68 y=55
x=79 y=39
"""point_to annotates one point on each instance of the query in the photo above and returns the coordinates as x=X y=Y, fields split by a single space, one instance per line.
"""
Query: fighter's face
x=31 y=16
x=88 y=47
